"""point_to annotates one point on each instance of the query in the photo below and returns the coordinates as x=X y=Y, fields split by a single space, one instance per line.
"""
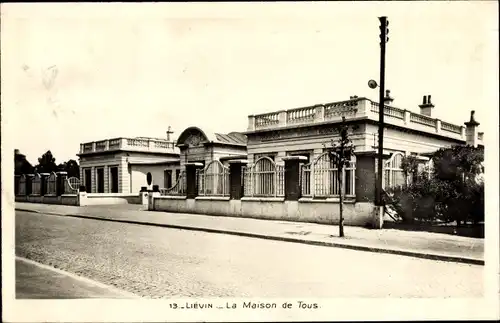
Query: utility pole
x=384 y=23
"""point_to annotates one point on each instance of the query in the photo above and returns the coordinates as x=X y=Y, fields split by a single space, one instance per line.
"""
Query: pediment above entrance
x=194 y=140
x=192 y=137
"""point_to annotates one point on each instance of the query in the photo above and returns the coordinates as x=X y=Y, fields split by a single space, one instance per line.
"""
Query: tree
x=46 y=163
x=458 y=163
x=454 y=192
x=340 y=153
x=21 y=164
x=71 y=167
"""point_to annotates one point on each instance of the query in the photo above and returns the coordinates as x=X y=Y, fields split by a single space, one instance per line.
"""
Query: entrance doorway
x=87 y=174
x=113 y=174
x=100 y=180
x=168 y=178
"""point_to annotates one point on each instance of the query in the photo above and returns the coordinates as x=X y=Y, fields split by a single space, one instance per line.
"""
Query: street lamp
x=384 y=23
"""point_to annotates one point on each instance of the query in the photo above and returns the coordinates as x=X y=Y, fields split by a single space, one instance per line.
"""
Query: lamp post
x=384 y=23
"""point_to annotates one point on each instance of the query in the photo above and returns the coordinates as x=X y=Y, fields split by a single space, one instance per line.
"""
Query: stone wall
x=325 y=212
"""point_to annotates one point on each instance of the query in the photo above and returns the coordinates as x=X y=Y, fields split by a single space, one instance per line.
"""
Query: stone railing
x=114 y=144
x=450 y=127
x=300 y=115
x=389 y=111
x=268 y=119
x=422 y=119
x=100 y=145
x=358 y=108
x=88 y=147
x=339 y=109
x=130 y=144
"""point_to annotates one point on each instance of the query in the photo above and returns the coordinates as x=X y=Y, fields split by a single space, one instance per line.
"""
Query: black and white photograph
x=239 y=161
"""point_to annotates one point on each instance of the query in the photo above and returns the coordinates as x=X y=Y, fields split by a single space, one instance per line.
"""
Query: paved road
x=161 y=262
x=36 y=282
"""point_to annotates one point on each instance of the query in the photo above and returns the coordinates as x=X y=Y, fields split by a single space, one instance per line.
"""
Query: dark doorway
x=88 y=180
x=100 y=180
x=168 y=178
x=113 y=174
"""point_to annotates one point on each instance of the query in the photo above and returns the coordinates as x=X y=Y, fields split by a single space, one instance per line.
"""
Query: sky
x=74 y=73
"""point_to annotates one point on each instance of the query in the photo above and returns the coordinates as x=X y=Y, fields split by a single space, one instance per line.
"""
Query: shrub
x=452 y=193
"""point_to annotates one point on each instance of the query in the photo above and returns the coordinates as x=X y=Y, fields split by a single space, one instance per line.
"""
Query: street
x=35 y=282
x=162 y=262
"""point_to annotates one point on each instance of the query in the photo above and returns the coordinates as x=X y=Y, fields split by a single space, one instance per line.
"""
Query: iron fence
x=264 y=178
x=320 y=178
x=213 y=180
x=36 y=184
x=51 y=184
x=179 y=187
x=22 y=185
x=72 y=185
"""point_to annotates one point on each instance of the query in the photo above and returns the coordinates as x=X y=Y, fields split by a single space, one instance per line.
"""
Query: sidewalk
x=416 y=244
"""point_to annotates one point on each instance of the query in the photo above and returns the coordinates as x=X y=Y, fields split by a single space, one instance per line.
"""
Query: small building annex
x=121 y=165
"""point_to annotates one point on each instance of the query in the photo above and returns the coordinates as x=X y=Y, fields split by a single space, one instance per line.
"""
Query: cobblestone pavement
x=161 y=262
x=35 y=282
x=386 y=239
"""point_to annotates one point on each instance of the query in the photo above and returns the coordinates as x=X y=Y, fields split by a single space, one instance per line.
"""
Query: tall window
x=113 y=179
x=87 y=178
x=100 y=180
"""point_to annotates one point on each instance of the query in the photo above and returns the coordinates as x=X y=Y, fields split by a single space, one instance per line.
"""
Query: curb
x=415 y=254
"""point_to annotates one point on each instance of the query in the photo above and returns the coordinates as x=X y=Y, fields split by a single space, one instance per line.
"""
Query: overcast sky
x=133 y=70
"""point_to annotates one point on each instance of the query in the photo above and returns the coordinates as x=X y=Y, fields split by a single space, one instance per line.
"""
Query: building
x=288 y=172
x=198 y=146
x=281 y=168
x=308 y=132
x=121 y=165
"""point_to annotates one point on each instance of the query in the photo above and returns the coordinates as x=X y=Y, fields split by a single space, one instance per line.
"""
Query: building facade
x=290 y=172
x=308 y=131
x=198 y=146
x=121 y=165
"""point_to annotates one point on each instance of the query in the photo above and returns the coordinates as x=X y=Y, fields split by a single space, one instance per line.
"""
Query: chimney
x=388 y=99
x=471 y=133
x=426 y=106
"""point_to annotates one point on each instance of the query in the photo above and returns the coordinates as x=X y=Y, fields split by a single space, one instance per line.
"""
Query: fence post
x=29 y=184
x=61 y=179
x=17 y=179
x=235 y=180
x=191 y=180
x=292 y=177
x=43 y=183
